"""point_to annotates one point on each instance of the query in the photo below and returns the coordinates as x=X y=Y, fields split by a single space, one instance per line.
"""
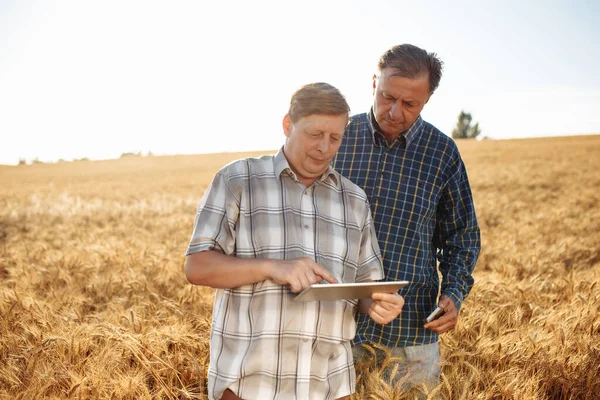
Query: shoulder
x=442 y=151
x=358 y=118
x=355 y=193
x=245 y=167
x=357 y=123
x=438 y=138
x=356 y=203
x=238 y=175
x=357 y=133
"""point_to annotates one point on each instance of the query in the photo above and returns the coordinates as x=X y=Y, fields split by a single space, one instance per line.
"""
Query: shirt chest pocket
x=422 y=195
x=340 y=250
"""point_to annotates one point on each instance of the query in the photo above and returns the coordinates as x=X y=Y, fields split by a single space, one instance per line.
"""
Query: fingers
x=446 y=326
x=304 y=281
x=380 y=314
x=295 y=285
x=390 y=301
x=304 y=272
x=385 y=307
x=377 y=313
x=447 y=321
x=299 y=279
x=444 y=323
x=323 y=273
x=298 y=283
x=446 y=303
x=377 y=318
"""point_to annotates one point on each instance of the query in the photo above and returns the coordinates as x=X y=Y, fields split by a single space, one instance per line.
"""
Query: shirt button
x=305 y=340
x=305 y=226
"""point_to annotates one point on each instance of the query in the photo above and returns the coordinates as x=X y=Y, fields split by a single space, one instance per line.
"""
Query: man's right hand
x=299 y=273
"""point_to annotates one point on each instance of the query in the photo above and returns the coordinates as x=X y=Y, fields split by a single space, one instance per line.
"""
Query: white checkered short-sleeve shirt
x=263 y=344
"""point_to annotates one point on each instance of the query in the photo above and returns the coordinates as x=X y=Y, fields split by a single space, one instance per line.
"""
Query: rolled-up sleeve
x=216 y=218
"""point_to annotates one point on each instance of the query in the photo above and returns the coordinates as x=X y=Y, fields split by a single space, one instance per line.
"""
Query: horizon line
x=149 y=153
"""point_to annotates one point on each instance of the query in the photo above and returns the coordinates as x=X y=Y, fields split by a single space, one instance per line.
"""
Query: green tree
x=463 y=129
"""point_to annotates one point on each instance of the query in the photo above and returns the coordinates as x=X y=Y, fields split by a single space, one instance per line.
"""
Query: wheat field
x=94 y=303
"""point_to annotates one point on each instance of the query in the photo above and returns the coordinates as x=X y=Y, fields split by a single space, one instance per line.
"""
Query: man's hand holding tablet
x=378 y=299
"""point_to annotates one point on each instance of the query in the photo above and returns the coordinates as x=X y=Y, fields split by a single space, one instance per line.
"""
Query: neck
x=388 y=137
x=306 y=181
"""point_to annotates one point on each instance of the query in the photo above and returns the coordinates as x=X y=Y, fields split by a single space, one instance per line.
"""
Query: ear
x=287 y=125
x=374 y=82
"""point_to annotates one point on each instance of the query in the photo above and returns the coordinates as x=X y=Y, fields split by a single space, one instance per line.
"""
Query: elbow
x=193 y=272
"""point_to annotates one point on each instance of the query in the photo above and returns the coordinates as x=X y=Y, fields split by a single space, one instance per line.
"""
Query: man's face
x=398 y=101
x=311 y=143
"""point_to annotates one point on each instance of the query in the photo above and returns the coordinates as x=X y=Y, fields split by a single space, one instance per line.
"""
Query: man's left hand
x=385 y=307
x=447 y=321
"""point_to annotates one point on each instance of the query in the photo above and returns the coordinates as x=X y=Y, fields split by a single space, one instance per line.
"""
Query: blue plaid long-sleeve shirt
x=423 y=213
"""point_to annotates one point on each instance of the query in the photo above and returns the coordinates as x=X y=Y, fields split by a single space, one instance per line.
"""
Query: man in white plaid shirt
x=269 y=227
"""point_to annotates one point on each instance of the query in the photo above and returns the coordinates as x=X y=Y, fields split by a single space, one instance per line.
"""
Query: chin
x=317 y=173
x=320 y=164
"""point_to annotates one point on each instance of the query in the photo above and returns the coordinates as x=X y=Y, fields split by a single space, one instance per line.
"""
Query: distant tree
x=22 y=161
x=131 y=154
x=463 y=129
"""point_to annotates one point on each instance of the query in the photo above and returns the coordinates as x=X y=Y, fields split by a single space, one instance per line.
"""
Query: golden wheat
x=94 y=303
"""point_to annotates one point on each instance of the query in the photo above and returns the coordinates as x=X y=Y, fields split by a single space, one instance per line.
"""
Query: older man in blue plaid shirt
x=422 y=209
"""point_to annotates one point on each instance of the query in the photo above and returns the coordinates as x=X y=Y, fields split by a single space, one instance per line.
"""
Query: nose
x=396 y=112
x=324 y=144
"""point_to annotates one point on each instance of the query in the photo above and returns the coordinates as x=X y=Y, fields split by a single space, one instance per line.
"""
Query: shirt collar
x=281 y=164
x=409 y=135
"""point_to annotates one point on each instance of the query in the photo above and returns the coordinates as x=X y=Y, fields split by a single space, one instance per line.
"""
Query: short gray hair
x=412 y=62
x=317 y=98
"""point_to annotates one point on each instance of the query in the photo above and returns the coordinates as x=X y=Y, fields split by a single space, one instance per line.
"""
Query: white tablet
x=339 y=291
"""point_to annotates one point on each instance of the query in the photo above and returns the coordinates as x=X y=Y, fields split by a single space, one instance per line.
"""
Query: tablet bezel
x=347 y=291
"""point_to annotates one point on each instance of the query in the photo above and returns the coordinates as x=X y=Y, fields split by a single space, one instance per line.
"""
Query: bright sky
x=96 y=79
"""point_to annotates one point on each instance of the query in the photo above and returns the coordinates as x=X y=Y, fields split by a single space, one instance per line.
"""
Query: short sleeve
x=216 y=218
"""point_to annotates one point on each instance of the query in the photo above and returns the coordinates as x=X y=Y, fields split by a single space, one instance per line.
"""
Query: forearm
x=458 y=260
x=457 y=273
x=457 y=282
x=457 y=236
x=220 y=271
